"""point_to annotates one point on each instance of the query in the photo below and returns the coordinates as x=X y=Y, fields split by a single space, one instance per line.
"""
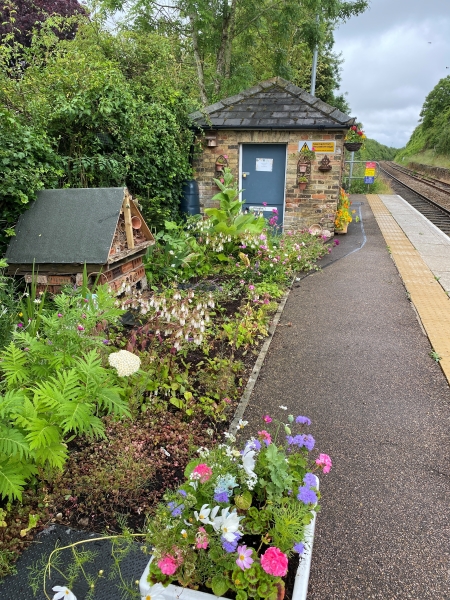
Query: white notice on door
x=264 y=164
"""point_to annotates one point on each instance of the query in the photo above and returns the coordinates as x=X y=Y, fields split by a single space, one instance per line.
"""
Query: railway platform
x=351 y=353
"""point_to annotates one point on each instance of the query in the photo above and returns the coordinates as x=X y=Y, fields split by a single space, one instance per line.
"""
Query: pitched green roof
x=67 y=226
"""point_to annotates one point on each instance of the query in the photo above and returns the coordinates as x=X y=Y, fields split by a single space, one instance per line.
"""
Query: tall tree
x=222 y=34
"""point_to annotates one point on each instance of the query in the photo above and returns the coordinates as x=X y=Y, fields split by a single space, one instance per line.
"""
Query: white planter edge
x=175 y=592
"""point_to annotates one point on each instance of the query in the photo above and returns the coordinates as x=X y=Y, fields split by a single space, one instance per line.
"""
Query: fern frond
x=42 y=433
x=54 y=454
x=75 y=416
x=54 y=392
x=11 y=402
x=13 y=361
x=13 y=443
x=110 y=401
x=12 y=481
x=24 y=413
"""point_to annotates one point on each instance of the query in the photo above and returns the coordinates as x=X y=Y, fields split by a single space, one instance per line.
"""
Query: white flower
x=38 y=301
x=227 y=523
x=125 y=362
x=204 y=451
x=63 y=592
x=229 y=436
x=184 y=533
x=283 y=407
x=173 y=265
x=248 y=462
x=242 y=424
x=204 y=514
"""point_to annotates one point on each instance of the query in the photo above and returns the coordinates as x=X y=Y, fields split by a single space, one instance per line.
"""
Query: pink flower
x=265 y=436
x=59 y=315
x=324 y=461
x=203 y=471
x=274 y=562
x=202 y=538
x=267 y=419
x=80 y=328
x=168 y=565
x=251 y=287
x=264 y=203
x=245 y=560
x=227 y=400
x=222 y=180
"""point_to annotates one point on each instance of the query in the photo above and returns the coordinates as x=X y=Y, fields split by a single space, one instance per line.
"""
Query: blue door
x=263 y=178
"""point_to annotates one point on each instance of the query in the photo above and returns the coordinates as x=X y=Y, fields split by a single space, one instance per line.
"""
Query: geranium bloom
x=245 y=557
x=203 y=471
x=274 y=562
x=168 y=565
x=63 y=592
x=324 y=461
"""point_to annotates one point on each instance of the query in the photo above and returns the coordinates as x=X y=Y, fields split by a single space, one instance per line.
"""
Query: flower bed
x=168 y=366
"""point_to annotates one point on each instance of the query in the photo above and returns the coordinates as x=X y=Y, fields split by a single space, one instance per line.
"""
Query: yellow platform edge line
x=430 y=300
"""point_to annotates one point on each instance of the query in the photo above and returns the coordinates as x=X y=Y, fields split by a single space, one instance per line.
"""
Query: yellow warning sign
x=319 y=146
x=369 y=172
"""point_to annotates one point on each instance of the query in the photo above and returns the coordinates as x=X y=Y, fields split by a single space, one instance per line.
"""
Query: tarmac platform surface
x=350 y=353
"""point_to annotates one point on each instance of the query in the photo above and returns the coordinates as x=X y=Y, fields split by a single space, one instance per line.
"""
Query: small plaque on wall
x=264 y=164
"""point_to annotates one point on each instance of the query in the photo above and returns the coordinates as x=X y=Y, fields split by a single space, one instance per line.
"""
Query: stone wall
x=437 y=172
x=316 y=204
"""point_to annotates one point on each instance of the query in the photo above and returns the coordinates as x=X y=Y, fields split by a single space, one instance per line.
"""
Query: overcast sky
x=390 y=66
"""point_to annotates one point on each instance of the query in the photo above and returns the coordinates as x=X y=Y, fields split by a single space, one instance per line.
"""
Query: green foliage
x=55 y=387
x=28 y=163
x=229 y=219
x=433 y=133
x=76 y=118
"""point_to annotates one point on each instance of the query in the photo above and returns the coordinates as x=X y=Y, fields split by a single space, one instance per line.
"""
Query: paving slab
x=349 y=352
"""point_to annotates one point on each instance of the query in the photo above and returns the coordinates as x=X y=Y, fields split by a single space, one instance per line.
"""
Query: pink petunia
x=168 y=565
x=324 y=461
x=274 y=562
x=244 y=559
x=203 y=472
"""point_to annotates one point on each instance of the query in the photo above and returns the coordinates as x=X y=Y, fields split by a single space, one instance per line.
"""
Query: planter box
x=174 y=592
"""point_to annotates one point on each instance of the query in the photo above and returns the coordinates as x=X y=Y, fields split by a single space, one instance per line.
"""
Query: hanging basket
x=302 y=185
x=352 y=146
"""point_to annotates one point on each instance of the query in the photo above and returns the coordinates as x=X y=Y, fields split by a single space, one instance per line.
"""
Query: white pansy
x=126 y=363
x=227 y=523
x=242 y=424
x=63 y=592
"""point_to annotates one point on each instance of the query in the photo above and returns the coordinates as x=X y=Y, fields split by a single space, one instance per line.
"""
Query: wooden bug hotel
x=64 y=230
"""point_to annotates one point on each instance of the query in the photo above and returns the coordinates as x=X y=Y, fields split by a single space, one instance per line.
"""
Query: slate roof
x=67 y=226
x=272 y=104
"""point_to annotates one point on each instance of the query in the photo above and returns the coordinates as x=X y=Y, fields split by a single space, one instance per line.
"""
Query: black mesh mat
x=17 y=587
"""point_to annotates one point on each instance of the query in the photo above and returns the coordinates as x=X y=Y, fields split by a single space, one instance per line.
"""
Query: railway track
x=436 y=184
x=431 y=201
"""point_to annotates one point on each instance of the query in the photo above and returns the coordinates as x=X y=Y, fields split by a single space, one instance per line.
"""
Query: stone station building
x=260 y=132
